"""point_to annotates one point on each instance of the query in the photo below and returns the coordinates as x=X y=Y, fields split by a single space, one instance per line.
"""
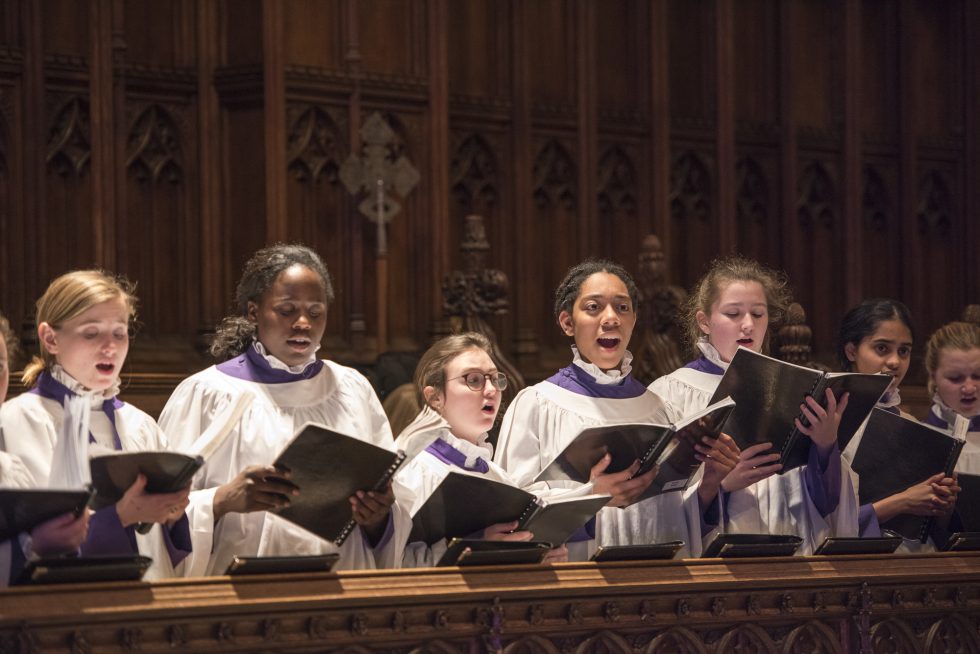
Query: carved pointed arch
x=818 y=196
x=617 y=183
x=436 y=647
x=875 y=206
x=893 y=636
x=554 y=175
x=812 y=638
x=473 y=172
x=313 y=146
x=953 y=633
x=934 y=210
x=752 y=198
x=153 y=146
x=531 y=645
x=69 y=146
x=747 y=638
x=690 y=188
x=676 y=640
x=605 y=642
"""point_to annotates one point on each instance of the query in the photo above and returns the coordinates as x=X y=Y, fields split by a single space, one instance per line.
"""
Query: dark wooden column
x=660 y=122
x=908 y=150
x=353 y=221
x=274 y=122
x=853 y=177
x=585 y=69
x=438 y=143
x=725 y=124
x=107 y=129
x=788 y=137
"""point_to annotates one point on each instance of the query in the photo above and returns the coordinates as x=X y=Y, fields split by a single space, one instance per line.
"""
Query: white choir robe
x=779 y=504
x=543 y=419
x=338 y=397
x=30 y=426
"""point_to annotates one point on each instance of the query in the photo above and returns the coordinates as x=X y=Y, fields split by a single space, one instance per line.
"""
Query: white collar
x=890 y=399
x=711 y=353
x=482 y=449
x=96 y=397
x=279 y=365
x=604 y=377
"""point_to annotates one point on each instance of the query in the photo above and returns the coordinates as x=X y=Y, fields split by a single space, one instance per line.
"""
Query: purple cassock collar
x=702 y=364
x=573 y=378
x=252 y=366
x=936 y=421
x=49 y=387
x=446 y=453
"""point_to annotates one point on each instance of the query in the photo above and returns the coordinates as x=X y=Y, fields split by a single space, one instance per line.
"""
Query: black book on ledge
x=669 y=446
x=896 y=453
x=768 y=393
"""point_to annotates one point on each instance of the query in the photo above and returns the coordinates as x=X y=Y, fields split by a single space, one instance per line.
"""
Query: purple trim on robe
x=451 y=456
x=385 y=537
x=178 y=540
x=49 y=387
x=936 y=421
x=107 y=536
x=702 y=364
x=252 y=366
x=583 y=533
x=573 y=378
x=822 y=479
x=868 y=526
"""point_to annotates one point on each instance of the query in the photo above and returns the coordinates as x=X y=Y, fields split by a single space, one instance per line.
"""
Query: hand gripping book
x=896 y=453
x=768 y=393
x=669 y=446
x=329 y=467
x=23 y=509
x=166 y=472
x=464 y=504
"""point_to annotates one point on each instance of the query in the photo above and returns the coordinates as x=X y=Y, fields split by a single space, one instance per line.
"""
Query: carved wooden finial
x=473 y=294
x=657 y=338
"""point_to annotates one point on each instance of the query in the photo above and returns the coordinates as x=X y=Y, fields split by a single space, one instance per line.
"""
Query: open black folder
x=967 y=515
x=768 y=393
x=166 y=472
x=895 y=453
x=23 y=509
x=669 y=446
x=464 y=504
x=329 y=467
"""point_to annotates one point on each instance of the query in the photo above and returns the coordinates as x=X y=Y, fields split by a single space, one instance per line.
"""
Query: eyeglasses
x=477 y=381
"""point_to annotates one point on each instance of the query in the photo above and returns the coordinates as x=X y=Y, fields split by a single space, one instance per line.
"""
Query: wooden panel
x=314 y=29
x=816 y=63
x=552 y=54
x=937 y=98
x=155 y=32
x=241 y=31
x=389 y=36
x=756 y=61
x=65 y=27
x=904 y=604
x=622 y=65
x=692 y=61
x=479 y=57
x=879 y=70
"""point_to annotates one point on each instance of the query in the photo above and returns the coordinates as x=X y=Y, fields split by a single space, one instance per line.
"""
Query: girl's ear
x=566 y=324
x=702 y=318
x=850 y=351
x=432 y=398
x=48 y=337
x=253 y=312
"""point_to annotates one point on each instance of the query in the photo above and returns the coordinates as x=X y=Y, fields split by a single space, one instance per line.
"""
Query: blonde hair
x=736 y=269
x=431 y=370
x=69 y=296
x=7 y=334
x=951 y=336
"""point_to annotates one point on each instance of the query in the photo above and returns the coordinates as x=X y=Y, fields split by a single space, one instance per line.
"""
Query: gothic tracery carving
x=313 y=146
x=69 y=146
x=875 y=206
x=752 y=198
x=554 y=175
x=818 y=196
x=690 y=188
x=617 y=183
x=153 y=146
x=934 y=209
x=473 y=171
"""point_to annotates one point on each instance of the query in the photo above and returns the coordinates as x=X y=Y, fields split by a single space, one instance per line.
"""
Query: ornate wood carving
x=69 y=146
x=658 y=341
x=473 y=294
x=752 y=197
x=617 y=183
x=314 y=145
x=934 y=209
x=818 y=197
x=875 y=207
x=473 y=174
x=690 y=188
x=153 y=149
x=793 y=337
x=555 y=177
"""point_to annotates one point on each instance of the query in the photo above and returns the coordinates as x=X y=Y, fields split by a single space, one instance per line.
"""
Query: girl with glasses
x=459 y=386
x=595 y=306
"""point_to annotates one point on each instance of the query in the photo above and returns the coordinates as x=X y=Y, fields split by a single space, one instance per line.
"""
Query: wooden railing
x=900 y=603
